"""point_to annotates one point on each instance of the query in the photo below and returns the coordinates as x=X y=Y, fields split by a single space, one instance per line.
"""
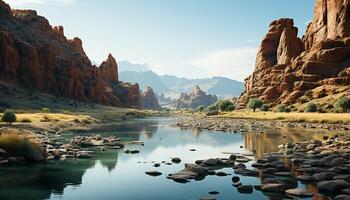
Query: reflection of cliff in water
x=269 y=140
x=130 y=130
x=42 y=180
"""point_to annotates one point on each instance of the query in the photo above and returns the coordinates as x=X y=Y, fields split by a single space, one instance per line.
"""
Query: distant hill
x=145 y=79
x=172 y=86
x=128 y=66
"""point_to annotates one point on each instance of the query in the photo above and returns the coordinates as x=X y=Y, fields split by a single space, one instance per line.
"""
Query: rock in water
x=273 y=187
x=333 y=186
x=297 y=192
x=176 y=160
x=153 y=173
x=191 y=171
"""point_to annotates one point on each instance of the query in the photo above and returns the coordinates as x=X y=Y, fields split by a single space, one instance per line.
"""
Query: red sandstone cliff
x=38 y=56
x=291 y=70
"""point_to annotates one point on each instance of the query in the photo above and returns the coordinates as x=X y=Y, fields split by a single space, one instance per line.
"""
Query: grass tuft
x=20 y=146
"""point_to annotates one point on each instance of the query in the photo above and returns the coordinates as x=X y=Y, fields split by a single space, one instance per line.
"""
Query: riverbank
x=43 y=133
x=240 y=121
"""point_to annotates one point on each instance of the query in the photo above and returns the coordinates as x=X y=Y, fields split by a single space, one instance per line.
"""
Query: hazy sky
x=189 y=38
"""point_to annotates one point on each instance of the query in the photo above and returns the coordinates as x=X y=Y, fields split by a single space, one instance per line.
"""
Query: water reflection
x=268 y=140
x=115 y=175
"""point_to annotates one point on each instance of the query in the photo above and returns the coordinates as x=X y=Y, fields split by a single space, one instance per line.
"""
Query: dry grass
x=18 y=145
x=293 y=117
x=50 y=117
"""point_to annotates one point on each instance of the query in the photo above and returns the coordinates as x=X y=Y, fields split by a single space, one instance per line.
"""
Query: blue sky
x=189 y=38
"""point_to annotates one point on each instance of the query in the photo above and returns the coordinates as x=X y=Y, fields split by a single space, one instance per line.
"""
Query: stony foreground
x=325 y=165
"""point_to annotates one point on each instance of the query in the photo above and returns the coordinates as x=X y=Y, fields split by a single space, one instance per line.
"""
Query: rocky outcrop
x=149 y=100
x=195 y=99
x=38 y=56
x=291 y=70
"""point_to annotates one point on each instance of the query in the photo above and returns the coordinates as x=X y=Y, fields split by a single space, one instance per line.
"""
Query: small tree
x=9 y=116
x=264 y=108
x=255 y=103
x=225 y=105
x=311 y=107
x=343 y=104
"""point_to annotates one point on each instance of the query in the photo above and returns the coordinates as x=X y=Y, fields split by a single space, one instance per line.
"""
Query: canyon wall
x=292 y=70
x=37 y=56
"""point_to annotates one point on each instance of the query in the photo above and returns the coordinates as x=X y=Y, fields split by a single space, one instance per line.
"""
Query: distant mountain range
x=172 y=86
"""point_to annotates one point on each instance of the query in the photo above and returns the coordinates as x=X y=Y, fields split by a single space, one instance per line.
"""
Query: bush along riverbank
x=325 y=165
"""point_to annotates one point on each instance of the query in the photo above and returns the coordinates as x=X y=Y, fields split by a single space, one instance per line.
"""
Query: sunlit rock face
x=195 y=99
x=287 y=67
x=37 y=56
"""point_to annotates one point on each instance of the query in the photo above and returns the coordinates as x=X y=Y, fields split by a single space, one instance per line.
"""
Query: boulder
x=297 y=192
x=333 y=186
x=273 y=187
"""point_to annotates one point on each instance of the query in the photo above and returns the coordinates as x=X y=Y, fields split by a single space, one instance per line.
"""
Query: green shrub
x=20 y=146
x=211 y=108
x=254 y=104
x=9 y=117
x=200 y=108
x=343 y=104
x=224 y=105
x=230 y=108
x=264 y=108
x=281 y=108
x=311 y=107
x=47 y=110
x=288 y=110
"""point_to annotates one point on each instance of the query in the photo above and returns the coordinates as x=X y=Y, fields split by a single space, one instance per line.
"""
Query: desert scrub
x=20 y=146
x=264 y=108
x=9 y=116
x=225 y=105
x=311 y=107
x=200 y=109
x=343 y=104
x=254 y=104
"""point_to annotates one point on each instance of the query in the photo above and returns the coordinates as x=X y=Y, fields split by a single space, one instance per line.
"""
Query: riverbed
x=113 y=174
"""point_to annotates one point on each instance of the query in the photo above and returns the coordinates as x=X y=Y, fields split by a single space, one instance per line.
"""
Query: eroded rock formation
x=291 y=70
x=195 y=99
x=149 y=100
x=38 y=56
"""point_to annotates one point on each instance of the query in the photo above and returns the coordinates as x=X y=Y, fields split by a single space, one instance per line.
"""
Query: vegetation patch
x=20 y=146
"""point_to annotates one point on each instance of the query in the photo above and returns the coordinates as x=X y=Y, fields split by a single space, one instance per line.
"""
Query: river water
x=114 y=175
